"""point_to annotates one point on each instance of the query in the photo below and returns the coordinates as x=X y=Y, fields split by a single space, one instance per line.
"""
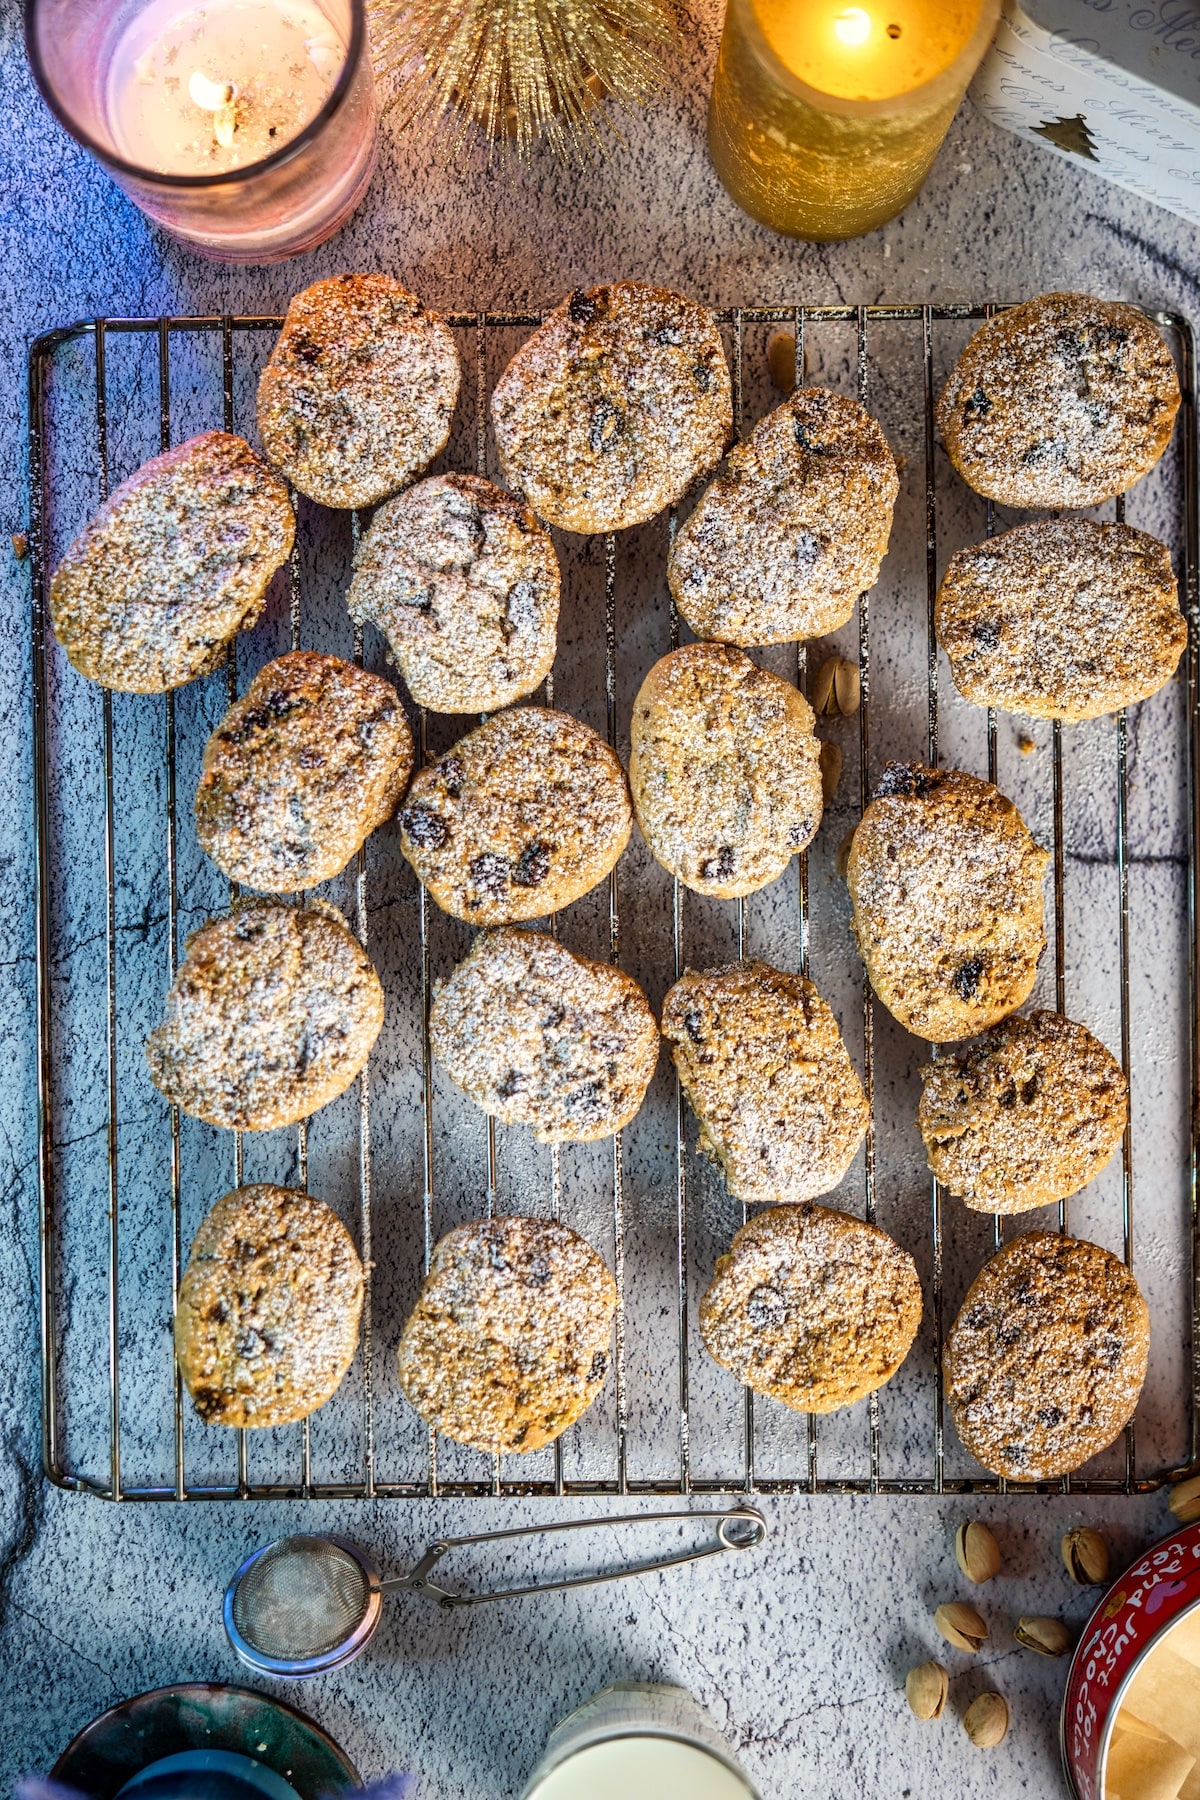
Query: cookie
x=1045 y=1361
x=269 y=1308
x=813 y=1307
x=539 y=1036
x=272 y=1015
x=300 y=771
x=762 y=1063
x=782 y=542
x=359 y=391
x=463 y=582
x=521 y=817
x=1024 y=1116
x=615 y=405
x=509 y=1340
x=946 y=891
x=1062 y=619
x=1062 y=401
x=724 y=768
x=176 y=563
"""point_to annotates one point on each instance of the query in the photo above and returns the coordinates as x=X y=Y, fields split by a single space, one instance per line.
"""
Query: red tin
x=1147 y=1600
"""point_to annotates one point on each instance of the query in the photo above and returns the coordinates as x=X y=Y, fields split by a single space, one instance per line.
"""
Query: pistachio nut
x=926 y=1688
x=961 y=1625
x=781 y=360
x=831 y=769
x=977 y=1552
x=1049 y=1637
x=1085 y=1554
x=986 y=1720
x=1185 y=1500
x=837 y=689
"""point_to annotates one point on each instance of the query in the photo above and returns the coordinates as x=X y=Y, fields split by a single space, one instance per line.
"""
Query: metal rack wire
x=85 y=425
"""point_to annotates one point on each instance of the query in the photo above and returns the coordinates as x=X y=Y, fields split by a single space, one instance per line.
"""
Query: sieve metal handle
x=738 y=1528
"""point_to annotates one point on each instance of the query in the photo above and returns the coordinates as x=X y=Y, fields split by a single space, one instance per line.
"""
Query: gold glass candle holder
x=825 y=118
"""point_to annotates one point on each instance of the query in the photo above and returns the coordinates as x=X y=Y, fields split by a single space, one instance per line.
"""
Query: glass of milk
x=246 y=128
x=633 y=1740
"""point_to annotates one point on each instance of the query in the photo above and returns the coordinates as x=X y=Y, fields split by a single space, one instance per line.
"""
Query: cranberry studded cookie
x=300 y=771
x=1063 y=619
x=1062 y=401
x=1045 y=1361
x=509 y=1340
x=724 y=768
x=615 y=405
x=272 y=1015
x=359 y=391
x=521 y=817
x=463 y=582
x=811 y=1306
x=762 y=1063
x=269 y=1308
x=946 y=889
x=1023 y=1116
x=539 y=1036
x=782 y=542
x=176 y=563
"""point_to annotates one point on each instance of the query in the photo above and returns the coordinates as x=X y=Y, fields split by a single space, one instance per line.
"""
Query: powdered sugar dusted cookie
x=614 y=406
x=782 y=542
x=1062 y=401
x=359 y=391
x=463 y=582
x=1063 y=619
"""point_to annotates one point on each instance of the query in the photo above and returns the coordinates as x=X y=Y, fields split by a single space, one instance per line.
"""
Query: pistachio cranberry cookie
x=269 y=1308
x=359 y=391
x=521 y=817
x=615 y=405
x=300 y=771
x=782 y=542
x=1025 y=1115
x=724 y=768
x=759 y=1055
x=539 y=1036
x=1045 y=1361
x=509 y=1340
x=946 y=889
x=812 y=1307
x=463 y=582
x=1062 y=401
x=1063 y=619
x=175 y=563
x=272 y=1015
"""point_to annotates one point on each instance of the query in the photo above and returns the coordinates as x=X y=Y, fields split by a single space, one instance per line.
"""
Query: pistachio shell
x=977 y=1552
x=1049 y=1637
x=961 y=1625
x=781 y=360
x=1085 y=1554
x=837 y=687
x=926 y=1688
x=841 y=861
x=1185 y=1500
x=986 y=1720
x=831 y=769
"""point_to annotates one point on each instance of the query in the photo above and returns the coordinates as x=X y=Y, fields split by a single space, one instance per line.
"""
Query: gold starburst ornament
x=517 y=72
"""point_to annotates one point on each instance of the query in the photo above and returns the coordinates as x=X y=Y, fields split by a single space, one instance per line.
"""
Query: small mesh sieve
x=302 y=1605
x=306 y=1604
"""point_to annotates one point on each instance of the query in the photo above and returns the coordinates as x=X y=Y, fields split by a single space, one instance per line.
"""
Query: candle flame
x=852 y=27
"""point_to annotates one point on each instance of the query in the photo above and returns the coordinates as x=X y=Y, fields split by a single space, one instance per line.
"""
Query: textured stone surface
x=799 y=1652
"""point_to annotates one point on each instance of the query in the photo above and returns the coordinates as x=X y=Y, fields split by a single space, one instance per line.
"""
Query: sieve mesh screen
x=301 y=1598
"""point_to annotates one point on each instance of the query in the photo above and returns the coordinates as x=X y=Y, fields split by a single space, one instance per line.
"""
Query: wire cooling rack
x=125 y=1180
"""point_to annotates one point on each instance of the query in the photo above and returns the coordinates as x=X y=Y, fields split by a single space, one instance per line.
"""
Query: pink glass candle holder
x=245 y=128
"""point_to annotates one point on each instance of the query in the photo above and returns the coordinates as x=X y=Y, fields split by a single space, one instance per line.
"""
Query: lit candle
x=825 y=117
x=204 y=89
x=246 y=127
